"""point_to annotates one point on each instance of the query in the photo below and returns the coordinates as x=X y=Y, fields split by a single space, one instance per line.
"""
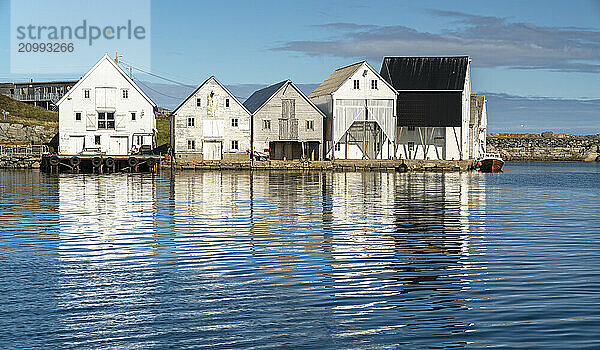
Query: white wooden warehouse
x=211 y=124
x=286 y=124
x=361 y=113
x=433 y=106
x=478 y=126
x=105 y=113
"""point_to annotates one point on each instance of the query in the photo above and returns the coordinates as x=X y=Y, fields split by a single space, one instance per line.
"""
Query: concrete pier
x=337 y=165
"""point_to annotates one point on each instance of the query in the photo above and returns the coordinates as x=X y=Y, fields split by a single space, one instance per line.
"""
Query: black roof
x=259 y=97
x=425 y=73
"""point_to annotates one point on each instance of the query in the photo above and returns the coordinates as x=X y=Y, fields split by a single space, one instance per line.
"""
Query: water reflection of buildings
x=105 y=217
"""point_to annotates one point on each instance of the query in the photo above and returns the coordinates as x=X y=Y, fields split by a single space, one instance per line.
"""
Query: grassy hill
x=22 y=113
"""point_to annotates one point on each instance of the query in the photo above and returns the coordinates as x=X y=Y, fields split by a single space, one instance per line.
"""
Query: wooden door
x=212 y=151
x=118 y=145
x=76 y=143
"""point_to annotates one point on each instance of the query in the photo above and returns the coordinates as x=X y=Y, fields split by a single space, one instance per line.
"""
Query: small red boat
x=490 y=163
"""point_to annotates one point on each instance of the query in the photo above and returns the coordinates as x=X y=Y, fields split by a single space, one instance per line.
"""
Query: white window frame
x=125 y=93
x=198 y=102
x=80 y=116
x=356 y=85
x=235 y=145
x=235 y=122
x=374 y=84
x=86 y=93
x=97 y=138
x=191 y=122
x=191 y=145
x=227 y=104
x=266 y=124
x=133 y=115
x=310 y=124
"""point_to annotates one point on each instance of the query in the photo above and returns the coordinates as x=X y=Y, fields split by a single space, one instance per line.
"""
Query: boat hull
x=490 y=165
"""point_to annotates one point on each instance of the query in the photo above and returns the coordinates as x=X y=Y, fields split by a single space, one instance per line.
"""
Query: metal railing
x=38 y=96
x=30 y=151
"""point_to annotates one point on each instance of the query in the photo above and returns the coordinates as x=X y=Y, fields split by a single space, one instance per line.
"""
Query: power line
x=158 y=92
x=158 y=76
x=167 y=79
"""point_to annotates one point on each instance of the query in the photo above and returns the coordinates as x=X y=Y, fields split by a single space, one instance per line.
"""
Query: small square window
x=77 y=115
x=338 y=147
x=97 y=140
x=133 y=115
x=234 y=122
x=227 y=103
x=356 y=84
x=266 y=124
x=86 y=93
x=374 y=84
x=235 y=145
x=191 y=121
x=191 y=144
x=125 y=93
x=310 y=125
x=198 y=102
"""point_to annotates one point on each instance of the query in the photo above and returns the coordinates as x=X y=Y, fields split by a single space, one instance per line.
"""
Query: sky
x=533 y=50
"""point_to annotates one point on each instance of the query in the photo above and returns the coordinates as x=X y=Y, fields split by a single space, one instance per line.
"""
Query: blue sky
x=522 y=48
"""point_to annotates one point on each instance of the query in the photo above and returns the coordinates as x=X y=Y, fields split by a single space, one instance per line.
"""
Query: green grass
x=22 y=113
x=163 y=125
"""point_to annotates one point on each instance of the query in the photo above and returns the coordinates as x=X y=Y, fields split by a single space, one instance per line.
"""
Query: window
x=411 y=128
x=227 y=103
x=356 y=84
x=235 y=145
x=198 y=102
x=77 y=115
x=411 y=146
x=234 y=122
x=125 y=93
x=338 y=147
x=374 y=84
x=97 y=140
x=191 y=121
x=86 y=93
x=191 y=144
x=310 y=125
x=106 y=120
x=266 y=124
x=132 y=115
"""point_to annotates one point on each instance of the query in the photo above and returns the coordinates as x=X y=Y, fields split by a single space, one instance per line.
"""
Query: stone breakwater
x=546 y=146
x=25 y=134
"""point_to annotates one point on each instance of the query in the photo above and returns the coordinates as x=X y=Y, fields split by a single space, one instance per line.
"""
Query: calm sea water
x=292 y=259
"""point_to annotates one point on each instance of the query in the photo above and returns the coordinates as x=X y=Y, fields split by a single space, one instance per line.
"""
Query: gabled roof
x=340 y=76
x=260 y=97
x=221 y=85
x=335 y=80
x=425 y=73
x=116 y=66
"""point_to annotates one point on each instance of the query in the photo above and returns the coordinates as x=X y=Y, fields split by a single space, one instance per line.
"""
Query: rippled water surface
x=292 y=259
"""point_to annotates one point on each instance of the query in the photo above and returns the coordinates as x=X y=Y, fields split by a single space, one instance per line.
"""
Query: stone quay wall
x=25 y=134
x=546 y=146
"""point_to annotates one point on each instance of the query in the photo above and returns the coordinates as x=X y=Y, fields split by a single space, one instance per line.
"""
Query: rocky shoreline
x=546 y=146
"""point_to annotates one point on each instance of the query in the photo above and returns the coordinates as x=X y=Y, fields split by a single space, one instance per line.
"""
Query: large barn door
x=288 y=124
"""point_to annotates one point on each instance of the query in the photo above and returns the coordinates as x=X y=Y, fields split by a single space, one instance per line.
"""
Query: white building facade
x=211 y=124
x=478 y=126
x=106 y=113
x=360 y=109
